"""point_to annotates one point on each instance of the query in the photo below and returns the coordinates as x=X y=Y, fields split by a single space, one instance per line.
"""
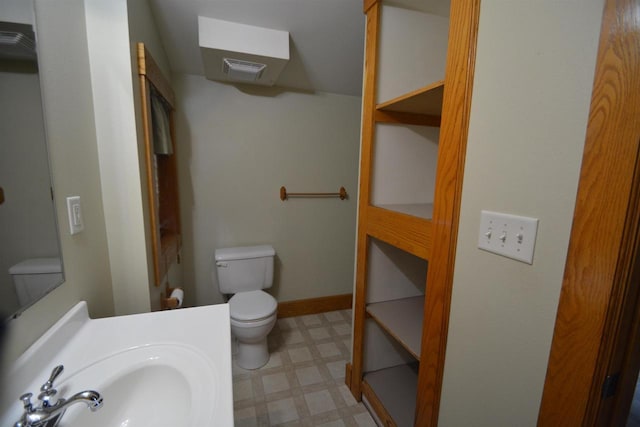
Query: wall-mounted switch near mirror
x=74 y=210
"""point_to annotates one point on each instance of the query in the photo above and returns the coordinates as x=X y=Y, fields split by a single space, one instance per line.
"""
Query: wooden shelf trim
x=394 y=117
x=426 y=100
x=407 y=232
x=392 y=393
x=402 y=319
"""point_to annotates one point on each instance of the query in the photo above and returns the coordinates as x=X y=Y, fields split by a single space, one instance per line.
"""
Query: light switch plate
x=508 y=235
x=74 y=210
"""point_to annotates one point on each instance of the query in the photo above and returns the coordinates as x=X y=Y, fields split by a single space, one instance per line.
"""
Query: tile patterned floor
x=303 y=383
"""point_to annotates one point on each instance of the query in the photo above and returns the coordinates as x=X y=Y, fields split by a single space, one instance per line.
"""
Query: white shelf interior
x=402 y=319
x=404 y=164
x=421 y=210
x=396 y=388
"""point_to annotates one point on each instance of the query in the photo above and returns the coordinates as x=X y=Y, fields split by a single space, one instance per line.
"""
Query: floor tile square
x=329 y=349
x=275 y=382
x=336 y=423
x=337 y=369
x=320 y=333
x=287 y=323
x=319 y=402
x=282 y=411
x=245 y=417
x=333 y=316
x=301 y=354
x=292 y=337
x=342 y=328
x=311 y=320
x=275 y=361
x=310 y=375
x=347 y=396
x=242 y=390
x=364 y=420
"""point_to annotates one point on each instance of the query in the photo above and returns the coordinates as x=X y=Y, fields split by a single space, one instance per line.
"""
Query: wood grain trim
x=148 y=67
x=394 y=117
x=366 y=154
x=456 y=110
x=347 y=374
x=377 y=406
x=368 y=4
x=407 y=232
x=314 y=305
x=145 y=96
x=578 y=359
x=426 y=100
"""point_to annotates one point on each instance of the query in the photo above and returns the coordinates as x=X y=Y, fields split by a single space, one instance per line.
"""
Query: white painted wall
x=532 y=89
x=114 y=115
x=237 y=148
x=69 y=120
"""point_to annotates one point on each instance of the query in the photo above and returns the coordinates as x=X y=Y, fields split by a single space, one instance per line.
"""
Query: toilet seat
x=252 y=306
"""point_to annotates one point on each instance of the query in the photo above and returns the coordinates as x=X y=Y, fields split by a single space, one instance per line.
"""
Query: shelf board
x=402 y=319
x=407 y=232
x=426 y=100
x=395 y=389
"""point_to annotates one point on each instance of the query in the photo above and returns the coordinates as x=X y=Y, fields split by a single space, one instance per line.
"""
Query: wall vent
x=244 y=71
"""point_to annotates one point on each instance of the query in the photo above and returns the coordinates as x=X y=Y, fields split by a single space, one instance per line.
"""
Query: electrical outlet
x=508 y=235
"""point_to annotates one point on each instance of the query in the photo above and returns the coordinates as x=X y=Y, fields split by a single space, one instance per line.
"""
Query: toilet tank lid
x=244 y=252
x=37 y=266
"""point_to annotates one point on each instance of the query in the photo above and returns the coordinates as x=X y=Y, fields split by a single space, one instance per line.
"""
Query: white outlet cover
x=74 y=211
x=508 y=235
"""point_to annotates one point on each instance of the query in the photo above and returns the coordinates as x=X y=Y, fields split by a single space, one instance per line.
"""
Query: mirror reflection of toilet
x=245 y=272
x=35 y=277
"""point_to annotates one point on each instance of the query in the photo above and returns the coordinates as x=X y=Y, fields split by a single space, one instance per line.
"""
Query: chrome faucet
x=49 y=414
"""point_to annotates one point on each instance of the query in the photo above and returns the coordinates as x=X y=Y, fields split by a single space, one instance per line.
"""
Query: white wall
x=236 y=149
x=68 y=107
x=109 y=56
x=533 y=79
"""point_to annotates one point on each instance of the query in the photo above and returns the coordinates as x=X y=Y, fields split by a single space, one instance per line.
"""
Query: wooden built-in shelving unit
x=426 y=100
x=398 y=318
x=392 y=392
x=388 y=272
x=160 y=170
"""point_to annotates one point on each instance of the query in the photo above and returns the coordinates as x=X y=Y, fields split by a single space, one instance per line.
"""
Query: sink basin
x=154 y=385
x=168 y=368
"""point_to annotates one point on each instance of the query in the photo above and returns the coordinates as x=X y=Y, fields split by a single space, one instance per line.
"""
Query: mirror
x=30 y=257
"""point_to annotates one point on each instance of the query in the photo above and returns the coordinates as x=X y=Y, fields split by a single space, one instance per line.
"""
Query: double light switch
x=508 y=235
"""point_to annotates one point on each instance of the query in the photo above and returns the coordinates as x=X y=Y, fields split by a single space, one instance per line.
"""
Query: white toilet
x=34 y=277
x=244 y=272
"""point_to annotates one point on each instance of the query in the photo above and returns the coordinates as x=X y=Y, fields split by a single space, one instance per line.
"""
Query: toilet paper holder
x=173 y=298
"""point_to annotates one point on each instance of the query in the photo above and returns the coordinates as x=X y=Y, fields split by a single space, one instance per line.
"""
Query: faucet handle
x=55 y=373
x=26 y=402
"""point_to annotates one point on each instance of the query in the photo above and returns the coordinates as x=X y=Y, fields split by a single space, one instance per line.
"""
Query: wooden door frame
x=600 y=257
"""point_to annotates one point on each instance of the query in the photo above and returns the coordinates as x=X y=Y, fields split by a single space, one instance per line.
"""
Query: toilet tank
x=34 y=277
x=247 y=268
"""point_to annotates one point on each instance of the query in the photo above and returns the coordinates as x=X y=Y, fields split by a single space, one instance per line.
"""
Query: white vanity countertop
x=77 y=341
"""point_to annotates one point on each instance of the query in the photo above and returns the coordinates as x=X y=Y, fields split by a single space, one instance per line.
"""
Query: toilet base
x=252 y=355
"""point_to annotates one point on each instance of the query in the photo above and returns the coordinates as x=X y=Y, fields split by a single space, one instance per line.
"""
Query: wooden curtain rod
x=284 y=195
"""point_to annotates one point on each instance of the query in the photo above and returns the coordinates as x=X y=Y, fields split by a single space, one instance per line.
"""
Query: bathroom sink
x=155 y=385
x=161 y=369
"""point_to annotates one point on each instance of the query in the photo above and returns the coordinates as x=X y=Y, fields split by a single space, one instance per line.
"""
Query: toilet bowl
x=244 y=272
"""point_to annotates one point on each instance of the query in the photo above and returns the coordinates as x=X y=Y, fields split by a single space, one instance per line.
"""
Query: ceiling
x=326 y=37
